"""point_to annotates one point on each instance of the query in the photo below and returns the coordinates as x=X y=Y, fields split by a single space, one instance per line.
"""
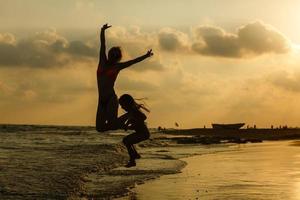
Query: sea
x=76 y=162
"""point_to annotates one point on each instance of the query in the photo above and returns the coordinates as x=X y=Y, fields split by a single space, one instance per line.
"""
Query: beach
x=268 y=171
x=73 y=162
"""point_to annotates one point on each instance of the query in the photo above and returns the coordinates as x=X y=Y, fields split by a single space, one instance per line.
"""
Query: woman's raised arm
x=102 y=55
x=134 y=61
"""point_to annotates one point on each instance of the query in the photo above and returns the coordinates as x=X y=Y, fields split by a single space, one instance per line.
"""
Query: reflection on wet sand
x=253 y=171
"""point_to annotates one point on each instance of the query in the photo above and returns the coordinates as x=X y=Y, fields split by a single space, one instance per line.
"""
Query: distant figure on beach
x=108 y=69
x=133 y=119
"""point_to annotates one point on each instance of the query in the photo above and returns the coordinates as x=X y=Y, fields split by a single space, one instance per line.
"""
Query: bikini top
x=110 y=72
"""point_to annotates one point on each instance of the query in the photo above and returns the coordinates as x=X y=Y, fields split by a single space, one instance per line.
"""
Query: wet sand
x=269 y=171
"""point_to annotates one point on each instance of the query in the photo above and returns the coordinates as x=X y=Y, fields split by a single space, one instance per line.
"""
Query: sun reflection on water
x=268 y=171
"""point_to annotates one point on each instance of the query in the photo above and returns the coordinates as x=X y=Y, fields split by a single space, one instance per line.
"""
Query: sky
x=214 y=61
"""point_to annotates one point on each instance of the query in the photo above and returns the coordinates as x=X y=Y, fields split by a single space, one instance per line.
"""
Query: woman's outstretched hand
x=105 y=26
x=149 y=53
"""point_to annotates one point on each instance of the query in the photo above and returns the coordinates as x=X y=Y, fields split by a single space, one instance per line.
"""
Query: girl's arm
x=134 y=61
x=128 y=125
x=102 y=55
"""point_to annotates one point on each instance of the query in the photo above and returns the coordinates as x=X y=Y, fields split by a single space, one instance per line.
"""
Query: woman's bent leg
x=107 y=113
x=101 y=118
x=112 y=113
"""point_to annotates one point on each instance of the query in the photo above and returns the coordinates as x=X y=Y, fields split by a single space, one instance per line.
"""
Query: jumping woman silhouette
x=108 y=70
x=134 y=119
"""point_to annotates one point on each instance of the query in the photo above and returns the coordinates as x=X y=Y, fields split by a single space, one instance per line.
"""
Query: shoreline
x=202 y=151
x=211 y=137
x=120 y=180
x=216 y=136
x=161 y=165
x=158 y=159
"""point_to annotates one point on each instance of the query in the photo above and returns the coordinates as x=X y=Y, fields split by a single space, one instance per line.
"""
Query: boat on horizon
x=228 y=126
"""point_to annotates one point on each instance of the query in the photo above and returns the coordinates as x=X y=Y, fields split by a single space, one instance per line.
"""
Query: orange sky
x=213 y=62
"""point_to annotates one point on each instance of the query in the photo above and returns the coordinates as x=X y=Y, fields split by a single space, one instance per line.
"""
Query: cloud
x=135 y=43
x=7 y=38
x=261 y=38
x=44 y=49
x=171 y=39
x=81 y=49
x=46 y=85
x=4 y=89
x=214 y=41
x=285 y=80
x=134 y=85
x=250 y=40
x=152 y=64
x=49 y=49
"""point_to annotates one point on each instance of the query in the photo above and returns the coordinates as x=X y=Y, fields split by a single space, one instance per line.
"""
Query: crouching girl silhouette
x=133 y=119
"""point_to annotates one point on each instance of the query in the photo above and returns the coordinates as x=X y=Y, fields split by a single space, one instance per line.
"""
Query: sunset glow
x=214 y=61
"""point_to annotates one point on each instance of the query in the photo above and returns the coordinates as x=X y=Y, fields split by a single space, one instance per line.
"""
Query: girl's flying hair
x=129 y=100
x=142 y=105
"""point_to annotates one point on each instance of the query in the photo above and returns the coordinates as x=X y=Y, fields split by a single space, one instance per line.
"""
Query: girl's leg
x=129 y=146
x=128 y=141
x=136 y=154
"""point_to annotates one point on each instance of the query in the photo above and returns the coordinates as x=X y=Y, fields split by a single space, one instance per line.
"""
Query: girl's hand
x=105 y=26
x=149 y=53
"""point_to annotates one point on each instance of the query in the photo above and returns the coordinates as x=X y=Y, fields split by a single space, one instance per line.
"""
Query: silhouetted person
x=133 y=119
x=108 y=69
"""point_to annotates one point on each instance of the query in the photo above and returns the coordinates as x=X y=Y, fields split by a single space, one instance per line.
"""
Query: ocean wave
x=62 y=162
